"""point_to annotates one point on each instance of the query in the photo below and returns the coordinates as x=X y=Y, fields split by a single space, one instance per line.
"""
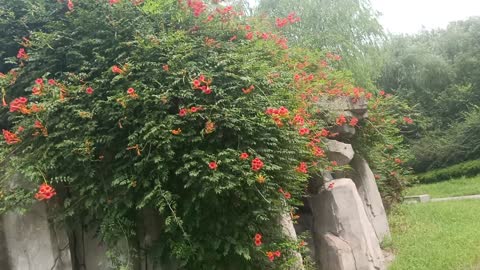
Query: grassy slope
x=451 y=188
x=437 y=236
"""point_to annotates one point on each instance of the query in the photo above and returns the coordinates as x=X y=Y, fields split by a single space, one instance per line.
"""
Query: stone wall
x=31 y=242
x=343 y=214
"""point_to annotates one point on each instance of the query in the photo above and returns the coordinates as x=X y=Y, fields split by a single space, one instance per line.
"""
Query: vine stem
x=176 y=219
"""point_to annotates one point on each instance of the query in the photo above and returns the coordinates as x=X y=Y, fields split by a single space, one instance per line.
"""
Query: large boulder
x=289 y=230
x=336 y=253
x=347 y=106
x=339 y=210
x=367 y=188
x=340 y=152
x=32 y=243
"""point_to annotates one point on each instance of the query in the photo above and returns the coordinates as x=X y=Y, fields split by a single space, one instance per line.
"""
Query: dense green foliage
x=441 y=235
x=194 y=112
x=381 y=142
x=114 y=152
x=468 y=168
x=346 y=27
x=438 y=72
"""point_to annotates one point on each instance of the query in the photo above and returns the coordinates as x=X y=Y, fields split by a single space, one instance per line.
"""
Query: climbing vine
x=191 y=109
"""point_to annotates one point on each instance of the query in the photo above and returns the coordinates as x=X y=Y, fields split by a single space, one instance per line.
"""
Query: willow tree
x=347 y=27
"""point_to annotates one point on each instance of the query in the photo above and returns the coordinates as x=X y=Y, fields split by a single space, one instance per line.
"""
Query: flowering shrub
x=381 y=142
x=186 y=108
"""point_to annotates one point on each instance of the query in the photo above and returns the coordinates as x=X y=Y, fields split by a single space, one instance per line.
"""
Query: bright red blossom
x=132 y=93
x=70 y=5
x=248 y=90
x=197 y=6
x=304 y=131
x=324 y=133
x=10 y=137
x=290 y=19
x=19 y=104
x=22 y=54
x=213 y=165
x=116 y=69
x=36 y=91
x=331 y=186
x=257 y=164
x=353 y=121
x=182 y=112
x=408 y=120
x=38 y=124
x=341 y=120
x=45 y=192
x=302 y=168
x=89 y=90
x=244 y=156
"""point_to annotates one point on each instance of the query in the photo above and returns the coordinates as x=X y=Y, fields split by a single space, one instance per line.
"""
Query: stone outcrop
x=367 y=188
x=338 y=210
x=343 y=214
x=289 y=231
x=33 y=243
x=347 y=106
x=339 y=152
x=336 y=253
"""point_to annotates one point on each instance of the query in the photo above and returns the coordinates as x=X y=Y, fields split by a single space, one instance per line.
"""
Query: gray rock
x=3 y=248
x=345 y=105
x=304 y=226
x=32 y=243
x=344 y=131
x=340 y=152
x=339 y=210
x=289 y=231
x=336 y=253
x=367 y=188
x=417 y=198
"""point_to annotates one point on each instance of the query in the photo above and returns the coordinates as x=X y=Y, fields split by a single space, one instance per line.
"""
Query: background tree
x=438 y=72
x=346 y=27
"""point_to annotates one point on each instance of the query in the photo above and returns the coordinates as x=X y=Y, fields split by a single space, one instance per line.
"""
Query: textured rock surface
x=289 y=230
x=336 y=253
x=3 y=248
x=339 y=210
x=340 y=152
x=32 y=243
x=90 y=252
x=367 y=188
x=344 y=131
x=345 y=105
x=304 y=225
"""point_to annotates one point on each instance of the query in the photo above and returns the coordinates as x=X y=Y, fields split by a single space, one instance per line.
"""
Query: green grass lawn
x=436 y=236
x=450 y=188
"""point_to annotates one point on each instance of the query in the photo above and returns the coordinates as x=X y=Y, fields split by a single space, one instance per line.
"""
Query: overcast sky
x=408 y=16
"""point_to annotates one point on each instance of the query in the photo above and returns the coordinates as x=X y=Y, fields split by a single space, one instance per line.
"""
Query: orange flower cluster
x=10 y=138
x=45 y=192
x=201 y=83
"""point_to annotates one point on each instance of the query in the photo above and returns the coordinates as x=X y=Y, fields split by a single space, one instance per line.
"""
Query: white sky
x=408 y=16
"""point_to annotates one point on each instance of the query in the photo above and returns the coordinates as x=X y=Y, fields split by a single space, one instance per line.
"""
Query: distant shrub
x=469 y=168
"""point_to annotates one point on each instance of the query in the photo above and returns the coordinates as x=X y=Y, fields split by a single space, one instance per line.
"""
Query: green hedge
x=469 y=168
